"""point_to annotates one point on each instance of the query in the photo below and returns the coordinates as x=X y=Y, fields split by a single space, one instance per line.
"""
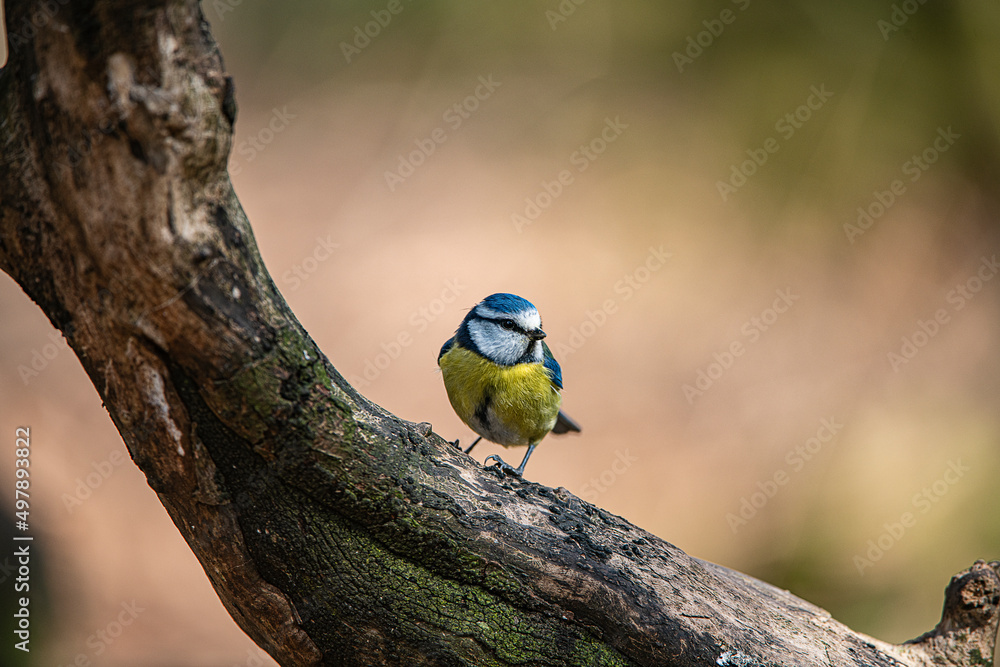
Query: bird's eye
x=508 y=324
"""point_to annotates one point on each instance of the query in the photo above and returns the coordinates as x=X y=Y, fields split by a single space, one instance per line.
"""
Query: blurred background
x=763 y=239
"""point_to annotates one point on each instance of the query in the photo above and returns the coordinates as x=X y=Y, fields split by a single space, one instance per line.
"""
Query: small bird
x=501 y=379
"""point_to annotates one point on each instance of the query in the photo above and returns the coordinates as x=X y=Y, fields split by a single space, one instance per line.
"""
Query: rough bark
x=333 y=532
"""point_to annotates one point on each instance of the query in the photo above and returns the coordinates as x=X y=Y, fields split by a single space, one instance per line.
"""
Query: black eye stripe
x=514 y=326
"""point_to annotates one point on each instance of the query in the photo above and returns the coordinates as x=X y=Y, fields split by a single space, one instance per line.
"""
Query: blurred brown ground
x=410 y=260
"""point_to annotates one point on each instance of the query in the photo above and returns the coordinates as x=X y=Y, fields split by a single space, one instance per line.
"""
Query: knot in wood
x=972 y=597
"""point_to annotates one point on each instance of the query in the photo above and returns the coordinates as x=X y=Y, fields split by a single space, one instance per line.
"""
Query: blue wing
x=563 y=422
x=552 y=366
x=447 y=346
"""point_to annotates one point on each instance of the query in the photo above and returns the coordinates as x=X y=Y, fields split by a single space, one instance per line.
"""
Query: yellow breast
x=509 y=405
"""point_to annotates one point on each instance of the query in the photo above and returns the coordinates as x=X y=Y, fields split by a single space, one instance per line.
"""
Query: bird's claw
x=502 y=466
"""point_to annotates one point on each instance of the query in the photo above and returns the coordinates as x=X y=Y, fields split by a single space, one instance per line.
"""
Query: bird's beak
x=537 y=334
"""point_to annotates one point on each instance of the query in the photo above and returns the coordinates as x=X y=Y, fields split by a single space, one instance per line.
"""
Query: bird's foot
x=503 y=467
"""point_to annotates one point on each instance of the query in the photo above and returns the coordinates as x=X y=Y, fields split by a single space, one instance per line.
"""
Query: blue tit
x=501 y=379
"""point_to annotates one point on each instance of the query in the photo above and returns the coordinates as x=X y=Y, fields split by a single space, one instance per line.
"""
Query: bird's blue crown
x=507 y=303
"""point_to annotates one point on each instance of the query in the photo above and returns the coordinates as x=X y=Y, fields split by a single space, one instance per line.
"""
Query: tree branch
x=333 y=532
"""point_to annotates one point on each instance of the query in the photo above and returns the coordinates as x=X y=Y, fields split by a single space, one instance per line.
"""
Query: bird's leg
x=474 y=443
x=503 y=466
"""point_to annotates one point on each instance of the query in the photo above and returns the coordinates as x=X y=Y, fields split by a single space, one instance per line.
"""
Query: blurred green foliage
x=896 y=76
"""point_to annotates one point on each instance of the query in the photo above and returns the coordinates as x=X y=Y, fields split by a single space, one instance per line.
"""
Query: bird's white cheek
x=480 y=336
x=507 y=349
x=498 y=345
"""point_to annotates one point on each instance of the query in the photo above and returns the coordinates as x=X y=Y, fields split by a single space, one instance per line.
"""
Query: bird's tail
x=565 y=425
